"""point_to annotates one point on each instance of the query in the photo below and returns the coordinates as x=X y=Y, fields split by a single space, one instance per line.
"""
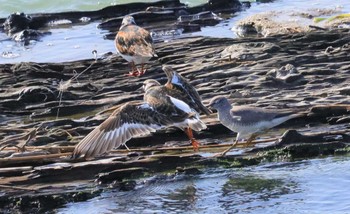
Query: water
x=39 y=6
x=75 y=43
x=309 y=186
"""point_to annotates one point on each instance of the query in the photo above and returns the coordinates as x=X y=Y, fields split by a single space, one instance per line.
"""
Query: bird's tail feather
x=196 y=124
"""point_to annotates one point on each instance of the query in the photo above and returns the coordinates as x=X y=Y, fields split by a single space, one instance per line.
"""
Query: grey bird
x=248 y=121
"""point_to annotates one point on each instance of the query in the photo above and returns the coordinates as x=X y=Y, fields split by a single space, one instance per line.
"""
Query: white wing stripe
x=180 y=105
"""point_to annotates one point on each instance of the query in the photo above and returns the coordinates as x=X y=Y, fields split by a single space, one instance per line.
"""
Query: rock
x=344 y=91
x=188 y=170
x=23 y=28
x=287 y=74
x=249 y=51
x=17 y=22
x=27 y=35
x=268 y=24
x=34 y=94
x=121 y=174
x=327 y=111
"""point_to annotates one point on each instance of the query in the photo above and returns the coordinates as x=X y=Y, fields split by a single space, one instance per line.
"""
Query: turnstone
x=247 y=121
x=180 y=88
x=152 y=96
x=137 y=118
x=134 y=44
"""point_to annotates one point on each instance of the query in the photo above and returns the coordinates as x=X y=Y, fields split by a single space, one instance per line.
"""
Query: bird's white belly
x=246 y=130
x=136 y=59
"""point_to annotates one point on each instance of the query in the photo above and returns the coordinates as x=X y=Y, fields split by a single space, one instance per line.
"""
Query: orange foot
x=195 y=145
x=133 y=74
x=140 y=73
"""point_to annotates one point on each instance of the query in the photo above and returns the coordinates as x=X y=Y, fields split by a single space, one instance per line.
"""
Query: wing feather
x=181 y=89
x=134 y=40
x=133 y=119
x=252 y=114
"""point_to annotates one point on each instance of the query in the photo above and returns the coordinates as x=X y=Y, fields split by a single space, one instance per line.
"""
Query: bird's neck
x=223 y=113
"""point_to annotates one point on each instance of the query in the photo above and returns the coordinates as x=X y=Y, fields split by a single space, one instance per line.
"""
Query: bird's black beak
x=213 y=110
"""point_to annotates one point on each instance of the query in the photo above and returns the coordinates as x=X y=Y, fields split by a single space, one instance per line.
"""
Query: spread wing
x=134 y=41
x=133 y=119
x=181 y=89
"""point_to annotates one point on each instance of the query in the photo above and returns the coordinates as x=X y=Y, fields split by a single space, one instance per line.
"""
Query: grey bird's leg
x=227 y=150
x=235 y=142
x=250 y=139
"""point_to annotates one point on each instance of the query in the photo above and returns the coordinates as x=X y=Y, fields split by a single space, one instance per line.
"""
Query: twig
x=32 y=158
x=20 y=146
x=240 y=145
x=71 y=148
x=17 y=187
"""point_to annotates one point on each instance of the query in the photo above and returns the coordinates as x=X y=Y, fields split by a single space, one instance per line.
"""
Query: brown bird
x=137 y=118
x=134 y=44
x=152 y=96
x=180 y=88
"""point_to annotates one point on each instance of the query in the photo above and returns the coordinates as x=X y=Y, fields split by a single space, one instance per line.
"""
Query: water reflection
x=311 y=186
x=251 y=192
x=183 y=199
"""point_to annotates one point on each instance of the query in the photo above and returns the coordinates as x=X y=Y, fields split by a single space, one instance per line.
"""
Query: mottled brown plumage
x=132 y=119
x=137 y=118
x=134 y=44
x=160 y=92
x=180 y=88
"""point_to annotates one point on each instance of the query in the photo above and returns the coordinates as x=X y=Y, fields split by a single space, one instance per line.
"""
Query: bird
x=157 y=111
x=180 y=88
x=248 y=121
x=151 y=96
x=135 y=45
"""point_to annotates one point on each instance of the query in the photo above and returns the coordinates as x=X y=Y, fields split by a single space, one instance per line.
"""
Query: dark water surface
x=309 y=186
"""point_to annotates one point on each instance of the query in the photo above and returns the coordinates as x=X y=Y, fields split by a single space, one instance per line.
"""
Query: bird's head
x=147 y=84
x=168 y=71
x=128 y=20
x=219 y=102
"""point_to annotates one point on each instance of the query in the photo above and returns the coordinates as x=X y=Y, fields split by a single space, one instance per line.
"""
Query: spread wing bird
x=134 y=44
x=133 y=119
x=180 y=88
x=137 y=118
x=162 y=100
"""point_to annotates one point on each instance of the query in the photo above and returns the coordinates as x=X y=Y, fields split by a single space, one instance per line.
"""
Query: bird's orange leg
x=194 y=142
x=134 y=72
x=143 y=70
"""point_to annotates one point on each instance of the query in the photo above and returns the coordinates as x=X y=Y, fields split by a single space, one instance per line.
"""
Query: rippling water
x=74 y=43
x=311 y=186
x=40 y=6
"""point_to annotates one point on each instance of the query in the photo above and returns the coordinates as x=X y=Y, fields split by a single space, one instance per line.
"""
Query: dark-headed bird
x=248 y=121
x=152 y=96
x=180 y=88
x=134 y=119
x=135 y=45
